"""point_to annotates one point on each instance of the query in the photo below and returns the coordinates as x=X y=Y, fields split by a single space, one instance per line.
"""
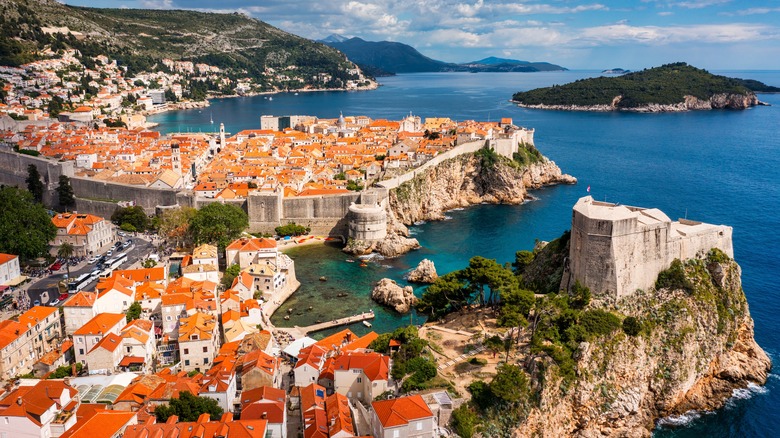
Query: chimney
x=19 y=401
x=173 y=419
x=265 y=416
x=226 y=417
x=204 y=418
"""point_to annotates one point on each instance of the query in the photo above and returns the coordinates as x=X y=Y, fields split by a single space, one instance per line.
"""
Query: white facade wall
x=353 y=383
x=101 y=360
x=113 y=301
x=76 y=317
x=193 y=355
x=306 y=375
x=9 y=271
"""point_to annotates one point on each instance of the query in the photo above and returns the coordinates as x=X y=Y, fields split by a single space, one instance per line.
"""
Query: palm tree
x=65 y=251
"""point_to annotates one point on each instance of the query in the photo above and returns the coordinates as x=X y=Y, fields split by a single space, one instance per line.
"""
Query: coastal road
x=45 y=289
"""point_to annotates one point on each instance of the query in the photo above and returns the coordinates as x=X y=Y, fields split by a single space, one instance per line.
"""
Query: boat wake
x=418 y=223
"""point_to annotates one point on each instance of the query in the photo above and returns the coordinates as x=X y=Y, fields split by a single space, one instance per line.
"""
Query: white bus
x=117 y=261
x=106 y=273
x=79 y=283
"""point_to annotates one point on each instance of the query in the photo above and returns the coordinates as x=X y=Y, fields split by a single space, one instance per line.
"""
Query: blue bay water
x=715 y=166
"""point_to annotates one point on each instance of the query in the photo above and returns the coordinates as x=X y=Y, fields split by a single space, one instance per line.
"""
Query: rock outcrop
x=425 y=272
x=463 y=181
x=393 y=245
x=696 y=349
x=388 y=293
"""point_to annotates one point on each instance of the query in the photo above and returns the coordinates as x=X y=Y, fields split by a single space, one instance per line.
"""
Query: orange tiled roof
x=100 y=324
x=109 y=342
x=101 y=424
x=401 y=411
x=375 y=366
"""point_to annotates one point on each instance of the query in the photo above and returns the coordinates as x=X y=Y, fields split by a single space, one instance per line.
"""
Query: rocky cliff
x=717 y=101
x=696 y=347
x=467 y=180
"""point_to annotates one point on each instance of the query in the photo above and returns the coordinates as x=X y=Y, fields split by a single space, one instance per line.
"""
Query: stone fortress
x=616 y=249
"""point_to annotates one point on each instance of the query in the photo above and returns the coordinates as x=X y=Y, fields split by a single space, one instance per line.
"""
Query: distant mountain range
x=387 y=57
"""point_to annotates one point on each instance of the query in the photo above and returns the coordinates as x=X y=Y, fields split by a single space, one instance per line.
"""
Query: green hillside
x=140 y=38
x=663 y=85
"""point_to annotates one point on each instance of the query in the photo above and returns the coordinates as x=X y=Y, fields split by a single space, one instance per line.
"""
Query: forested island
x=671 y=87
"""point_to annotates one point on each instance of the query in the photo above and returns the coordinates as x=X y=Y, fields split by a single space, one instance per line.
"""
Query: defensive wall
x=464 y=148
x=617 y=249
x=327 y=215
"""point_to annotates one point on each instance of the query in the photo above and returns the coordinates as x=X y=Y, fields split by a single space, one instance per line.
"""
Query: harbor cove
x=719 y=167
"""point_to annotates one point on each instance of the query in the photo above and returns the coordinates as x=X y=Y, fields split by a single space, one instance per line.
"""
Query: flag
x=588 y=189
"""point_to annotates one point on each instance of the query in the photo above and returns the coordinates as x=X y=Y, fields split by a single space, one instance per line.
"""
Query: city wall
x=435 y=161
x=323 y=214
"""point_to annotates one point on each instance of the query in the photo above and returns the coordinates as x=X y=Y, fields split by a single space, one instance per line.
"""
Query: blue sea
x=715 y=166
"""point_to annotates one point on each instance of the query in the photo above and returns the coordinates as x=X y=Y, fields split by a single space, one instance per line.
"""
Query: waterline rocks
x=425 y=272
x=388 y=293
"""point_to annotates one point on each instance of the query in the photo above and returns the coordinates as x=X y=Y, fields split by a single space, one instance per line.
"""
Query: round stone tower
x=367 y=222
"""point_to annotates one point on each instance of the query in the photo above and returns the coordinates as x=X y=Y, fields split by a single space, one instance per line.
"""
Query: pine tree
x=34 y=183
x=67 y=199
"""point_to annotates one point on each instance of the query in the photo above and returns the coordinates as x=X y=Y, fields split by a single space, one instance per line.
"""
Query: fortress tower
x=617 y=249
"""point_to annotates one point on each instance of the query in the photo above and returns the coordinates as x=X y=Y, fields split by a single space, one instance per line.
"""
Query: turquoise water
x=716 y=166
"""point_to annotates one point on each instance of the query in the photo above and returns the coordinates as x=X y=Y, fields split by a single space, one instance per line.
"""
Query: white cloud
x=699 y=4
x=756 y=11
x=720 y=33
x=157 y=4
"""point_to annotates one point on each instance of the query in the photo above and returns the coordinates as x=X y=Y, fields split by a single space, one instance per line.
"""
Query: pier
x=299 y=331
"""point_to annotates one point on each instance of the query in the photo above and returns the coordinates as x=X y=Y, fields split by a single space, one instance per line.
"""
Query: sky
x=577 y=34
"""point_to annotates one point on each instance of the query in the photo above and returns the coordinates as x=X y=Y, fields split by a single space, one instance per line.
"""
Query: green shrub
x=128 y=227
x=480 y=394
x=478 y=361
x=674 y=278
x=465 y=421
x=632 y=326
x=715 y=255
x=599 y=322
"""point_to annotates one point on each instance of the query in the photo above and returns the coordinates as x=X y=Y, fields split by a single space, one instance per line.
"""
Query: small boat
x=270 y=98
x=323 y=278
x=296 y=93
x=341 y=294
x=366 y=323
x=350 y=261
x=363 y=265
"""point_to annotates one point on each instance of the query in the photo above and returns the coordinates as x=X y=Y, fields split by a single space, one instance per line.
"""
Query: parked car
x=109 y=253
x=122 y=233
x=117 y=245
x=127 y=243
x=63 y=297
x=55 y=266
x=37 y=303
x=55 y=302
x=92 y=259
